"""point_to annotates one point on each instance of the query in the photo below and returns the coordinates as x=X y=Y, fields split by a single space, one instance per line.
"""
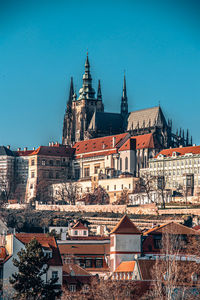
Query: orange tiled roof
x=172 y=228
x=142 y=141
x=46 y=242
x=126 y=266
x=125 y=226
x=79 y=225
x=99 y=144
x=180 y=151
x=56 y=150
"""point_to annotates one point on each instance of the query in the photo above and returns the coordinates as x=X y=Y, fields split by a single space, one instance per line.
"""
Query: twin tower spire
x=88 y=93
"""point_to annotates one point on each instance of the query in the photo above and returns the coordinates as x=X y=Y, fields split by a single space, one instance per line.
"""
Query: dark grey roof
x=145 y=118
x=106 y=122
x=5 y=151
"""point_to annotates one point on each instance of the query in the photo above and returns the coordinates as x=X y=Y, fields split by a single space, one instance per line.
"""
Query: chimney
x=52 y=144
x=194 y=145
x=18 y=149
x=25 y=148
x=114 y=141
x=8 y=147
x=103 y=146
x=33 y=148
x=181 y=146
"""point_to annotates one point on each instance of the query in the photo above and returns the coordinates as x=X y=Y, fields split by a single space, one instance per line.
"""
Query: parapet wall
x=148 y=209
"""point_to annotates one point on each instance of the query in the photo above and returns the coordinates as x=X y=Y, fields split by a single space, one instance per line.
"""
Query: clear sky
x=44 y=43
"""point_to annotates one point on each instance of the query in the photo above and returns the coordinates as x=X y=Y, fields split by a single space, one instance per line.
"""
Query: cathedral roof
x=144 y=118
x=106 y=122
x=180 y=151
x=125 y=226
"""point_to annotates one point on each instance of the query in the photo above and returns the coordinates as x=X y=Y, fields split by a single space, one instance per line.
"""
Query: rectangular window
x=88 y=263
x=43 y=162
x=122 y=186
x=99 y=263
x=115 y=187
x=107 y=187
x=32 y=162
x=76 y=232
x=32 y=174
x=86 y=172
x=72 y=288
x=84 y=232
x=54 y=274
x=51 y=162
x=96 y=168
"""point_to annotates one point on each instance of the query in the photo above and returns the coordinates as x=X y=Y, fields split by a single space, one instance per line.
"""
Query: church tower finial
x=124 y=100
x=71 y=93
x=87 y=92
x=99 y=95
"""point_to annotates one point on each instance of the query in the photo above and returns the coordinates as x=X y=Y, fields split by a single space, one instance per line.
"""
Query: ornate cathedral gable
x=180 y=151
x=99 y=145
x=125 y=226
x=140 y=118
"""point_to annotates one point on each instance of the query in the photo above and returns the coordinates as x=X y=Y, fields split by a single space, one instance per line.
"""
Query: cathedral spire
x=70 y=99
x=87 y=92
x=124 y=100
x=99 y=95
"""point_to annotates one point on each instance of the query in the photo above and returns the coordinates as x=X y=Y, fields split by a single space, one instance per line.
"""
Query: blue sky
x=44 y=43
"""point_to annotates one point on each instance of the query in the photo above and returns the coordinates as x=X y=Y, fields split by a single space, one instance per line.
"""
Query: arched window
x=126 y=163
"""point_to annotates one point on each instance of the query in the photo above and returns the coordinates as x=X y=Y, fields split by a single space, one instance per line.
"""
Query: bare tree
x=123 y=198
x=99 y=196
x=68 y=192
x=147 y=184
x=101 y=289
x=172 y=277
x=7 y=186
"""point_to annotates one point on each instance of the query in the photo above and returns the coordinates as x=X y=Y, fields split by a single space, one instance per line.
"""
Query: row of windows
x=175 y=163
x=49 y=174
x=50 y=162
x=115 y=187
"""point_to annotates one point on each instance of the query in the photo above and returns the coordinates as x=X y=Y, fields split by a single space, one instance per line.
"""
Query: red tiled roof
x=125 y=226
x=84 y=249
x=144 y=141
x=2 y=253
x=76 y=269
x=99 y=144
x=46 y=242
x=55 y=150
x=79 y=225
x=23 y=153
x=126 y=266
x=180 y=151
x=172 y=228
